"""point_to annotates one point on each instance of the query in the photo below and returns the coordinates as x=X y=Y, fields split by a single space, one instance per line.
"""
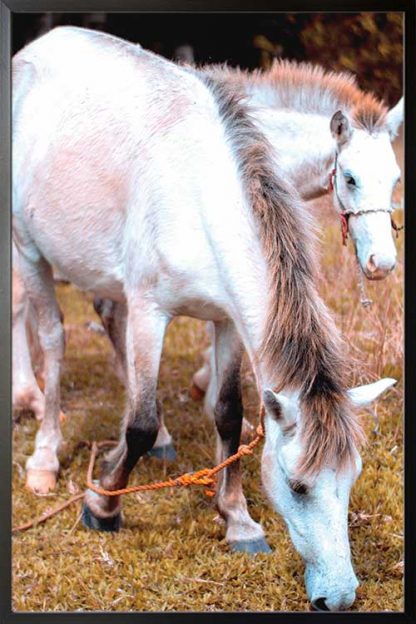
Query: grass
x=171 y=553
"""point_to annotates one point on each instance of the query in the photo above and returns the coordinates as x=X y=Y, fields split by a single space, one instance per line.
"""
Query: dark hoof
x=163 y=452
x=91 y=521
x=251 y=546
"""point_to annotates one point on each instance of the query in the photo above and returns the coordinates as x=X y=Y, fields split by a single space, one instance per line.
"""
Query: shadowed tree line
x=369 y=45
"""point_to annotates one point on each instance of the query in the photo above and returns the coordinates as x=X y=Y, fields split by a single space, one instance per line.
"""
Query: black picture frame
x=7 y=9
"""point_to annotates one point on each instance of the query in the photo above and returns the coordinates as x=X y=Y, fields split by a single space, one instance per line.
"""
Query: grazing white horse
x=150 y=185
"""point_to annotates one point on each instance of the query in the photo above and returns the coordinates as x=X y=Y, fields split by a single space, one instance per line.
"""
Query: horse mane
x=308 y=88
x=301 y=347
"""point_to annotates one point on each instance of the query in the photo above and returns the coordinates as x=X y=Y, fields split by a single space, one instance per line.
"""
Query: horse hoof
x=163 y=452
x=91 y=521
x=252 y=547
x=196 y=393
x=40 y=482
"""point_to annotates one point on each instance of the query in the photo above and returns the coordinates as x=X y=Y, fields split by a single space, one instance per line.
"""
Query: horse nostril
x=320 y=604
x=379 y=267
x=371 y=265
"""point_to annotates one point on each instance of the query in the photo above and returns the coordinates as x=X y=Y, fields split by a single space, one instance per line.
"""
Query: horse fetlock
x=240 y=526
x=44 y=459
x=102 y=507
x=48 y=441
x=141 y=435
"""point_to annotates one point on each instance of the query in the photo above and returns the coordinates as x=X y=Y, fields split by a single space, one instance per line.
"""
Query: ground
x=171 y=553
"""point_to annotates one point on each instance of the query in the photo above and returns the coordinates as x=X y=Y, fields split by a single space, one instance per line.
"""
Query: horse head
x=314 y=506
x=364 y=176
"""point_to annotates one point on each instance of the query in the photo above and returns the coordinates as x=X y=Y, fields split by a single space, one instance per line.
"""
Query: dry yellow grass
x=171 y=553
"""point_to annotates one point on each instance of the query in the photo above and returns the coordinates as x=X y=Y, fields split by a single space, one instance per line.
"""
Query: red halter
x=344 y=227
x=343 y=215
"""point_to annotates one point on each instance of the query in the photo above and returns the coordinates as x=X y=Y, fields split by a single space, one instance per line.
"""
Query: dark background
x=368 y=44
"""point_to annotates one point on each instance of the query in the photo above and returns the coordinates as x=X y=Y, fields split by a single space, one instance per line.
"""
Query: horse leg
x=223 y=402
x=113 y=319
x=113 y=316
x=145 y=331
x=43 y=465
x=201 y=379
x=26 y=391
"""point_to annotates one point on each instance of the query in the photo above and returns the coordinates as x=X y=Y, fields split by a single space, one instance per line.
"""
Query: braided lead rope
x=206 y=476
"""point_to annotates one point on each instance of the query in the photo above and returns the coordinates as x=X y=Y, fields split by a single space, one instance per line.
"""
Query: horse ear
x=341 y=128
x=276 y=405
x=364 y=395
x=395 y=118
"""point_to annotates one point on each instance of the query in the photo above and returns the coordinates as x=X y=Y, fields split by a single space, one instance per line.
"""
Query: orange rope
x=206 y=477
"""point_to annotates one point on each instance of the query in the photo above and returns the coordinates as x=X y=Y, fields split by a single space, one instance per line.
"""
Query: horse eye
x=350 y=180
x=298 y=487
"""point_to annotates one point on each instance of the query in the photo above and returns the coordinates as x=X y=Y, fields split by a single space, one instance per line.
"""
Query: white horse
x=150 y=185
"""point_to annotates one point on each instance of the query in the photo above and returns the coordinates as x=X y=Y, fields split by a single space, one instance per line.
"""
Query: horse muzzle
x=379 y=266
x=327 y=593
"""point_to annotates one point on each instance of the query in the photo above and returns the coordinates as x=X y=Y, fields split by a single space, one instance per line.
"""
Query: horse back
x=117 y=152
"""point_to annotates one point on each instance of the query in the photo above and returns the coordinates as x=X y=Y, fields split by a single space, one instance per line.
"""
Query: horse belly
x=193 y=300
x=74 y=210
x=190 y=284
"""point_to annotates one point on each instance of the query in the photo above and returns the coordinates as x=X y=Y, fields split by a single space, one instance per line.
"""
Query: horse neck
x=303 y=144
x=275 y=306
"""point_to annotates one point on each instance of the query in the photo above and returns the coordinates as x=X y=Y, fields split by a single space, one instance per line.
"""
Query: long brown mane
x=301 y=347
x=308 y=88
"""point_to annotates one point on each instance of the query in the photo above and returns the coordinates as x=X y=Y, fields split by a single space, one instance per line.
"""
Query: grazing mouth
x=377 y=275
